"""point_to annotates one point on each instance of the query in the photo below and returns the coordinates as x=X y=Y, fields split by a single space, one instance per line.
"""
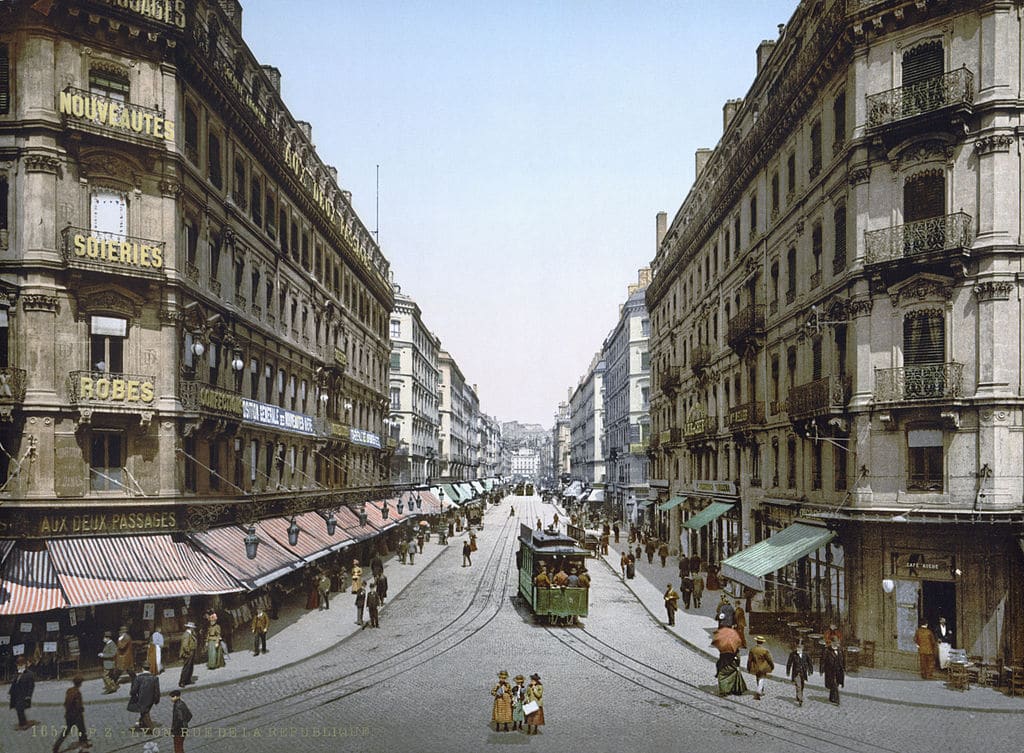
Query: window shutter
x=924 y=196
x=923 y=63
x=924 y=337
x=5 y=79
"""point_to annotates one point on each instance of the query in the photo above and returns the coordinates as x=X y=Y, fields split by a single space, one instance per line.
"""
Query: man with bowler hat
x=188 y=654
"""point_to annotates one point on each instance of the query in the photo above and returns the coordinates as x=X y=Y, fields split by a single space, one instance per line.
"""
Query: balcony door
x=924 y=354
x=922 y=72
x=924 y=199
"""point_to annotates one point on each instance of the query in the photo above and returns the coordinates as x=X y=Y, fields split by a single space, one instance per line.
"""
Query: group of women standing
x=518 y=704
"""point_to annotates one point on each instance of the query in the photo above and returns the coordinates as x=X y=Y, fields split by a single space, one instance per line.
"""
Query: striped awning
x=478 y=486
x=375 y=516
x=466 y=491
x=313 y=541
x=105 y=570
x=29 y=583
x=452 y=494
x=226 y=547
x=429 y=503
x=350 y=522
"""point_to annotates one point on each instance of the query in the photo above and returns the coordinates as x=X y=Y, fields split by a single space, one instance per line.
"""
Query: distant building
x=586 y=407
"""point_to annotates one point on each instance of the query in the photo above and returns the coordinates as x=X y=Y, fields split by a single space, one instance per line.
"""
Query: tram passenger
x=542 y=580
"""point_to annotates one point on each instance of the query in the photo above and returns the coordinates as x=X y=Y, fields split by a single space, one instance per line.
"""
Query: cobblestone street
x=421 y=682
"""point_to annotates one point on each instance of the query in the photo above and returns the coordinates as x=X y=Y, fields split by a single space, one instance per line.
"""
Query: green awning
x=674 y=502
x=705 y=516
x=452 y=493
x=751 y=565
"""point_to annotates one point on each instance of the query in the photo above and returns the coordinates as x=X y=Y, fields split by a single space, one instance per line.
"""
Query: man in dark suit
x=833 y=666
x=798 y=669
x=144 y=694
x=726 y=613
x=22 y=687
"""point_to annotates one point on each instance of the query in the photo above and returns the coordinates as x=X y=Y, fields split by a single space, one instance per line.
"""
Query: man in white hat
x=188 y=654
x=760 y=665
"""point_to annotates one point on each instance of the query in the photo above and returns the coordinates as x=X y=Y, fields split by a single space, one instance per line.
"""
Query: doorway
x=938 y=599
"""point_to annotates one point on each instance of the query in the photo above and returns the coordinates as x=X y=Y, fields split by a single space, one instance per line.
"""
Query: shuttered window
x=923 y=63
x=5 y=79
x=924 y=337
x=109 y=213
x=816 y=359
x=924 y=196
x=839 y=253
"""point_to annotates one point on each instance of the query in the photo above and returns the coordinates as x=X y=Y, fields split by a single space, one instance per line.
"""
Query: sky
x=523 y=151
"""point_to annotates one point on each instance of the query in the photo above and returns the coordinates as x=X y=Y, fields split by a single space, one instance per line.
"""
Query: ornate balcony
x=206 y=398
x=112 y=253
x=112 y=392
x=12 y=385
x=950 y=92
x=669 y=380
x=746 y=326
x=672 y=436
x=933 y=239
x=745 y=416
x=821 y=397
x=192 y=271
x=927 y=382
x=215 y=286
x=700 y=358
x=91 y=112
x=700 y=429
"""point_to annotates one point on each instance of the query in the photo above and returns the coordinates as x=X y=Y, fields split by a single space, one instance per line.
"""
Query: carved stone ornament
x=40 y=302
x=860 y=175
x=109 y=301
x=994 y=290
x=860 y=307
x=925 y=151
x=919 y=288
x=169 y=188
x=42 y=163
x=998 y=142
x=170 y=316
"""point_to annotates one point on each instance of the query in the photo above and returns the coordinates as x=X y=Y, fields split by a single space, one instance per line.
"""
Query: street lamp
x=237 y=363
x=385 y=510
x=419 y=501
x=252 y=541
x=293 y=532
x=332 y=523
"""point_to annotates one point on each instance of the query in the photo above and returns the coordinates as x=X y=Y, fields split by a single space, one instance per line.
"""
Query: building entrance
x=938 y=599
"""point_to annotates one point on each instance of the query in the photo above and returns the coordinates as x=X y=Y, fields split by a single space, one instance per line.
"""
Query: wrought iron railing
x=673 y=435
x=947 y=90
x=700 y=428
x=113 y=117
x=935 y=234
x=669 y=380
x=821 y=396
x=746 y=324
x=12 y=385
x=700 y=358
x=925 y=382
x=191 y=271
x=215 y=286
x=112 y=253
x=747 y=414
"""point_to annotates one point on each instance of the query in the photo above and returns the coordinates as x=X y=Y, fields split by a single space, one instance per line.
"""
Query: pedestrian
x=833 y=667
x=623 y=561
x=554 y=520
x=663 y=553
x=466 y=552
x=22 y=687
x=671 y=603
x=539 y=526
x=739 y=618
x=615 y=532
x=74 y=715
x=944 y=638
x=639 y=551
x=412 y=553
x=534 y=707
x=276 y=592
x=108 y=655
x=927 y=649
x=376 y=566
x=833 y=633
x=214 y=645
x=187 y=652
x=145 y=693
x=382 y=588
x=686 y=588
x=472 y=540
x=260 y=626
x=420 y=538
x=760 y=664
x=511 y=512
x=518 y=699
x=649 y=549
x=684 y=566
x=323 y=587
x=155 y=652
x=451 y=529
x=798 y=669
x=342 y=580
x=360 y=604
x=501 y=714
x=181 y=715
x=604 y=543
x=373 y=604
x=403 y=550
x=630 y=567
x=726 y=613
x=727 y=671
x=125 y=659
x=698 y=589
x=357 y=577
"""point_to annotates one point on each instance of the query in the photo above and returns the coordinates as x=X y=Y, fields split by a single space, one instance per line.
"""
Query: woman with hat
x=214 y=651
x=357 y=577
x=502 y=692
x=535 y=694
x=518 y=699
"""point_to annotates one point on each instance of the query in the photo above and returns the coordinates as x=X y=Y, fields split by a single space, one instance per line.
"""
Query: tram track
x=485 y=602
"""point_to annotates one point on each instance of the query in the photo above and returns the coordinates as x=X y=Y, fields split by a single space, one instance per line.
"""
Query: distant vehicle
x=556 y=551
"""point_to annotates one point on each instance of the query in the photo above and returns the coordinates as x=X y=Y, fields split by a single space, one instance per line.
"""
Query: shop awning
x=226 y=547
x=705 y=516
x=313 y=542
x=107 y=570
x=751 y=565
x=596 y=495
x=573 y=490
x=29 y=583
x=451 y=494
x=429 y=503
x=673 y=502
x=478 y=486
x=349 y=521
x=375 y=515
x=466 y=491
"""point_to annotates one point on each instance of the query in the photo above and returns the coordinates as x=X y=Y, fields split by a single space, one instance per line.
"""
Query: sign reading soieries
x=49 y=524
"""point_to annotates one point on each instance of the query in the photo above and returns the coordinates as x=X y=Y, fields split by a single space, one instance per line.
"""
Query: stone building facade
x=836 y=328
x=586 y=407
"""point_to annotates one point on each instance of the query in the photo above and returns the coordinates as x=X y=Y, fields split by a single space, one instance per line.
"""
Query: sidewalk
x=695 y=627
x=298 y=634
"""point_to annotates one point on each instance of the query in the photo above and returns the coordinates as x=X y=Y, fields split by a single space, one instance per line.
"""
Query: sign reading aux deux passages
x=35 y=523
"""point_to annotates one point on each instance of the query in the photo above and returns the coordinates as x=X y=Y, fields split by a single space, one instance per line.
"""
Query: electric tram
x=555 y=551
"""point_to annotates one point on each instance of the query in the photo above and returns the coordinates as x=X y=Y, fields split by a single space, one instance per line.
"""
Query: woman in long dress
x=502 y=692
x=357 y=577
x=730 y=679
x=518 y=699
x=214 y=651
x=535 y=692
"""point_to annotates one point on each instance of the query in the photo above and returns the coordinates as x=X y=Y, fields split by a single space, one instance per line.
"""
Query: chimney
x=764 y=51
x=703 y=155
x=334 y=173
x=643 y=277
x=274 y=75
x=306 y=128
x=661 y=227
x=729 y=110
x=233 y=10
